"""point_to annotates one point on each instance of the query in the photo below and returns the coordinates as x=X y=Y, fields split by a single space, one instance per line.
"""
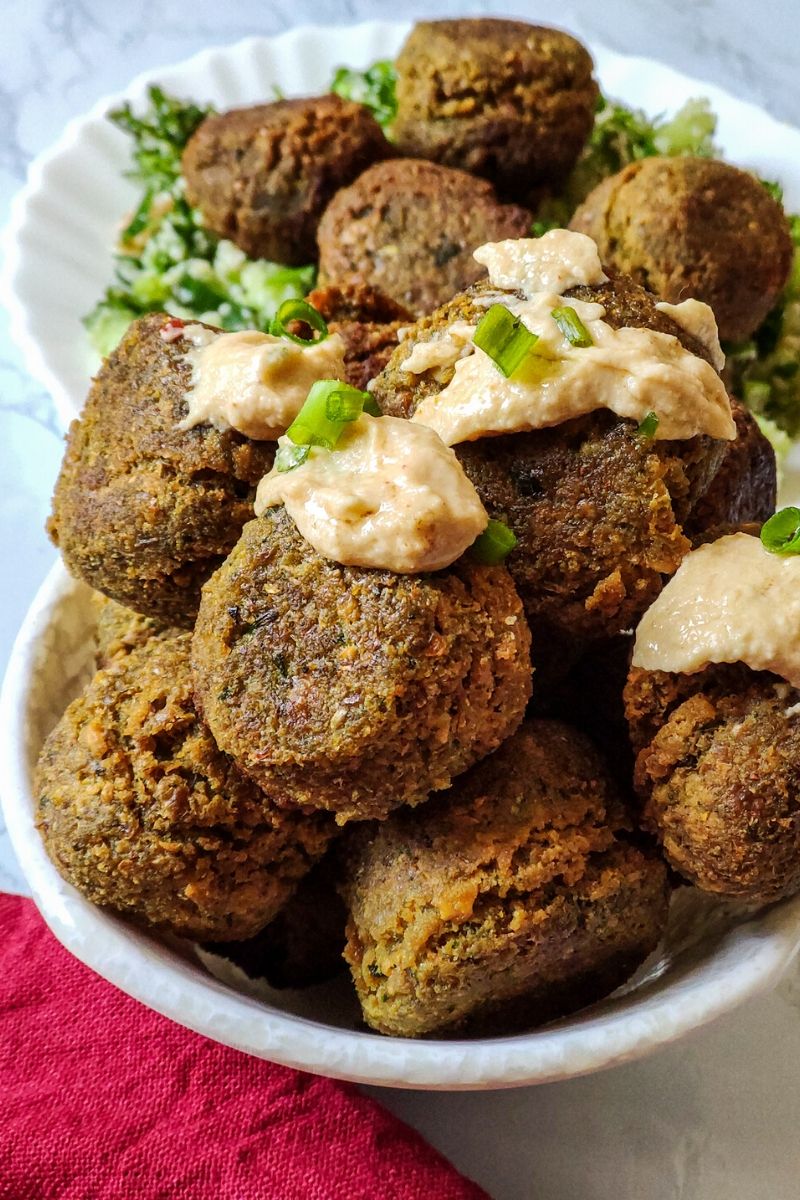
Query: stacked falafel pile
x=447 y=751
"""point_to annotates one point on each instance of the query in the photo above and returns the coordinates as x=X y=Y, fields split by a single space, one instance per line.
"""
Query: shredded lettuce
x=165 y=259
x=374 y=88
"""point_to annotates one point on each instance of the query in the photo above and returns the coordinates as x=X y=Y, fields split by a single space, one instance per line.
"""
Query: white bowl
x=715 y=955
x=58 y=262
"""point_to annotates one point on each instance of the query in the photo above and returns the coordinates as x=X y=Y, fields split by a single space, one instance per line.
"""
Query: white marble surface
x=714 y=1118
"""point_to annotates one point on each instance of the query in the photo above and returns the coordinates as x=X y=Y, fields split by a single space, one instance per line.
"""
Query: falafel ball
x=144 y=511
x=142 y=813
x=118 y=630
x=503 y=99
x=262 y=176
x=718 y=769
x=694 y=227
x=302 y=946
x=368 y=323
x=409 y=228
x=745 y=488
x=352 y=689
x=513 y=899
x=597 y=510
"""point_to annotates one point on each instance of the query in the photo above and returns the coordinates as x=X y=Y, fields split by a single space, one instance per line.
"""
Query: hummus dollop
x=254 y=382
x=391 y=495
x=730 y=601
x=631 y=371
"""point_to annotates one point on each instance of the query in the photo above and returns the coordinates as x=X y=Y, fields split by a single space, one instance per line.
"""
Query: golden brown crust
x=142 y=510
x=409 y=228
x=118 y=630
x=504 y=99
x=351 y=689
x=142 y=813
x=507 y=901
x=263 y=175
x=718 y=769
x=695 y=227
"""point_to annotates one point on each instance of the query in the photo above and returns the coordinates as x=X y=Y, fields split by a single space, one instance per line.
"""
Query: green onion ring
x=298 y=310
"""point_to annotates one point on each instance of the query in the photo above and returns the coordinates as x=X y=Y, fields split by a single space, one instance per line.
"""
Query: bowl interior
x=715 y=954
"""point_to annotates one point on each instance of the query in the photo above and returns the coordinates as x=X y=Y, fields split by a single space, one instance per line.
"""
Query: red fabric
x=102 y=1099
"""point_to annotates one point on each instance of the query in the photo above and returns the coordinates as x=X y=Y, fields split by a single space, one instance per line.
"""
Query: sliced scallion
x=494 y=544
x=572 y=326
x=504 y=338
x=329 y=406
x=299 y=310
x=290 y=456
x=648 y=427
x=781 y=533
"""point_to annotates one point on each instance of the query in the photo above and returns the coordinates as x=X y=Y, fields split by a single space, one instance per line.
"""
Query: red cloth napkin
x=101 y=1099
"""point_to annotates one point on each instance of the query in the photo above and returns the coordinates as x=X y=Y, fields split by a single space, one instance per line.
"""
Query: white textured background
x=715 y=1118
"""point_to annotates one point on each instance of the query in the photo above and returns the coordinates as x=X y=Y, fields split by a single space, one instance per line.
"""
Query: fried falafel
x=368 y=322
x=142 y=813
x=351 y=689
x=409 y=228
x=509 y=901
x=598 y=511
x=694 y=227
x=745 y=488
x=303 y=945
x=142 y=510
x=262 y=176
x=510 y=101
x=718 y=770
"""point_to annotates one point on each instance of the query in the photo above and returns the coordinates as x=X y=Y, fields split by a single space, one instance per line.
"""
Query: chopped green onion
x=375 y=88
x=647 y=429
x=299 y=310
x=494 y=544
x=572 y=326
x=289 y=457
x=781 y=533
x=504 y=338
x=371 y=405
x=329 y=406
x=344 y=406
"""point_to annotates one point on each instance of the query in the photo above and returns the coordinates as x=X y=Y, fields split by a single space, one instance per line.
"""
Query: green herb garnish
x=572 y=326
x=494 y=544
x=504 y=338
x=166 y=261
x=781 y=533
x=375 y=88
x=623 y=135
x=329 y=406
x=648 y=427
x=299 y=310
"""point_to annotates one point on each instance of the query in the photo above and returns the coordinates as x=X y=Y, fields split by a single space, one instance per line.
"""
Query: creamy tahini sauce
x=698 y=320
x=391 y=495
x=730 y=601
x=630 y=371
x=254 y=382
x=554 y=262
x=441 y=351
